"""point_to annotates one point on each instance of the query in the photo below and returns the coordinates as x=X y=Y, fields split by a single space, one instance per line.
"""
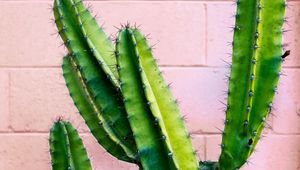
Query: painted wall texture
x=192 y=40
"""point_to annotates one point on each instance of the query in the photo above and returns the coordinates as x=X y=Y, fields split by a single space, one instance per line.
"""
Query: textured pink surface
x=193 y=40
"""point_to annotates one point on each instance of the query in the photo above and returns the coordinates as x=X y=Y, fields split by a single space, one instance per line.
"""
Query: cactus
x=255 y=71
x=66 y=148
x=89 y=75
x=148 y=100
x=128 y=107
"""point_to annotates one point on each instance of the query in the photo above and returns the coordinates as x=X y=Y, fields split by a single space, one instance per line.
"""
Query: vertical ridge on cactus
x=66 y=148
x=99 y=44
x=89 y=111
x=101 y=86
x=268 y=65
x=164 y=107
x=239 y=82
x=257 y=50
x=151 y=152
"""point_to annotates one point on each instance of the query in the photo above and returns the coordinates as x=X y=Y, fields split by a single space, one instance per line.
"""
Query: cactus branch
x=151 y=152
x=268 y=67
x=66 y=148
x=164 y=107
x=90 y=112
x=100 y=83
x=257 y=51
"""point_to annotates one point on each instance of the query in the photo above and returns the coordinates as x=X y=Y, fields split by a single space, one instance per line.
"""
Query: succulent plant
x=66 y=148
x=129 y=108
x=255 y=71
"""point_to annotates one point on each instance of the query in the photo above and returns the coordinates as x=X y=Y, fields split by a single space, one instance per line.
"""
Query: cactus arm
x=234 y=137
x=255 y=63
x=149 y=143
x=164 y=107
x=106 y=95
x=99 y=44
x=66 y=148
x=267 y=69
x=58 y=149
x=90 y=113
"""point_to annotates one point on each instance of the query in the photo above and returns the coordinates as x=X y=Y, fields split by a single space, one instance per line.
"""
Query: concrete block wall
x=192 y=40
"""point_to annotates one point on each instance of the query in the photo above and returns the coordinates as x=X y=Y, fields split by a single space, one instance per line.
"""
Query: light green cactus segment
x=235 y=137
x=149 y=142
x=66 y=148
x=164 y=107
x=253 y=93
x=267 y=69
x=107 y=97
x=99 y=44
x=91 y=114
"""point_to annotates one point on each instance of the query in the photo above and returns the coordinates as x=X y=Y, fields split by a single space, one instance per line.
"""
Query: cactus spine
x=128 y=107
x=66 y=148
x=257 y=50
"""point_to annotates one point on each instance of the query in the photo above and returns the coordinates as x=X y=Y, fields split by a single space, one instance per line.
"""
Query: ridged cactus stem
x=89 y=111
x=150 y=145
x=268 y=67
x=66 y=148
x=96 y=39
x=164 y=107
x=240 y=79
x=93 y=61
x=146 y=92
x=256 y=62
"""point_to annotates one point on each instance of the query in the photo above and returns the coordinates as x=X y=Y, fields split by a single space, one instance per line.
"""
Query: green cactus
x=66 y=148
x=128 y=107
x=148 y=100
x=255 y=71
x=89 y=75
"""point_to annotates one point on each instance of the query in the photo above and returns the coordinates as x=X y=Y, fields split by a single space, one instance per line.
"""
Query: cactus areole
x=119 y=91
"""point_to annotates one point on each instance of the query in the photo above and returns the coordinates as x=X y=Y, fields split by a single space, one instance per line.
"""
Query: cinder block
x=199 y=145
x=4 y=100
x=280 y=152
x=24 y=151
x=199 y=92
x=213 y=148
x=26 y=35
x=287 y=108
x=220 y=21
x=39 y=97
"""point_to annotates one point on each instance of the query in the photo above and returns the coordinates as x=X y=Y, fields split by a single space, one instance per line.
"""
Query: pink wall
x=193 y=38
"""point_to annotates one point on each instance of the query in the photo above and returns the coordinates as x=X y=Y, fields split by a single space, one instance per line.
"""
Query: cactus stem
x=66 y=148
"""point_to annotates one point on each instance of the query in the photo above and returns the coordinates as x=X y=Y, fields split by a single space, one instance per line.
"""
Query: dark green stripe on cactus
x=90 y=113
x=66 y=148
x=268 y=65
x=164 y=107
x=207 y=165
x=149 y=142
x=256 y=62
x=99 y=83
